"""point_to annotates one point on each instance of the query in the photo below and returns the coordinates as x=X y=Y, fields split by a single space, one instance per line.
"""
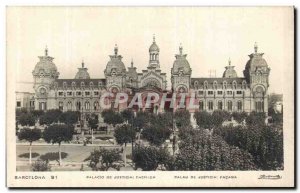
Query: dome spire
x=131 y=63
x=82 y=63
x=46 y=51
x=255 y=47
x=180 y=49
x=229 y=61
x=153 y=38
x=116 y=49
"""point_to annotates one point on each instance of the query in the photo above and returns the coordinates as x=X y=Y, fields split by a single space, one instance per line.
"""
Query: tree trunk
x=124 y=154
x=30 y=156
x=92 y=135
x=59 y=153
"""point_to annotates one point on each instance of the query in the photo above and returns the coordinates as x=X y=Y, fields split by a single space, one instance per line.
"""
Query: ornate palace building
x=229 y=92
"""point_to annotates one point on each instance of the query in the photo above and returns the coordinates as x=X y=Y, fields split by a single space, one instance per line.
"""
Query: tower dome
x=82 y=72
x=230 y=71
x=115 y=65
x=45 y=66
x=255 y=62
x=181 y=65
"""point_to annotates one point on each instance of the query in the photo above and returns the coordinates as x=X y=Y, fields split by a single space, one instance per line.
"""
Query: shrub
x=40 y=166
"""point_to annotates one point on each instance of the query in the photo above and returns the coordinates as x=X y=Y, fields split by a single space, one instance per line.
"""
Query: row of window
x=220 y=106
x=77 y=93
x=79 y=106
x=259 y=106
x=220 y=92
x=215 y=84
x=82 y=84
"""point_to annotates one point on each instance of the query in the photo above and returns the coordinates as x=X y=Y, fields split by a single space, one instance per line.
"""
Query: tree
x=264 y=143
x=127 y=115
x=156 y=134
x=203 y=119
x=103 y=159
x=93 y=124
x=30 y=135
x=40 y=166
x=27 y=119
x=150 y=158
x=256 y=119
x=182 y=118
x=277 y=118
x=159 y=128
x=125 y=134
x=51 y=116
x=111 y=117
x=199 y=150
x=239 y=116
x=58 y=133
x=37 y=113
x=141 y=120
x=69 y=117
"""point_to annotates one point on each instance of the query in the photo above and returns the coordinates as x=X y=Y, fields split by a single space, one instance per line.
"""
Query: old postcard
x=150 y=97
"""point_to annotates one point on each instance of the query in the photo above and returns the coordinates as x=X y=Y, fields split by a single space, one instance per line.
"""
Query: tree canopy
x=26 y=119
x=111 y=117
x=124 y=134
x=58 y=133
x=103 y=159
x=30 y=135
x=149 y=158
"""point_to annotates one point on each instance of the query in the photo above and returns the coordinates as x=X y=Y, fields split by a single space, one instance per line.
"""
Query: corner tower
x=257 y=76
x=44 y=74
x=181 y=73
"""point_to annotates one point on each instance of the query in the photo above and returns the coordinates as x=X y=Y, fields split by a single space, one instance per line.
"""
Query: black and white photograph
x=150 y=96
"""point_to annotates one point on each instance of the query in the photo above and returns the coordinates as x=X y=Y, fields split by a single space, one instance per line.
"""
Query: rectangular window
x=210 y=105
x=210 y=92
x=96 y=93
x=87 y=93
x=229 y=92
x=220 y=92
x=239 y=92
x=69 y=93
x=78 y=93
x=60 y=93
x=200 y=92
x=18 y=103
x=201 y=105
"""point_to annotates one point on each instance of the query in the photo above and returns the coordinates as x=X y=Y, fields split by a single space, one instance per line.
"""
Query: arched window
x=229 y=105
x=244 y=84
x=259 y=106
x=78 y=106
x=220 y=105
x=201 y=105
x=91 y=84
x=210 y=105
x=215 y=85
x=224 y=85
x=196 y=84
x=64 y=85
x=234 y=84
x=239 y=106
x=205 y=85
x=87 y=105
x=55 y=85
x=96 y=105
x=61 y=106
x=73 y=85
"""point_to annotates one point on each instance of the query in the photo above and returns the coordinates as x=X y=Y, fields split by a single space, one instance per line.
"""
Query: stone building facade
x=229 y=92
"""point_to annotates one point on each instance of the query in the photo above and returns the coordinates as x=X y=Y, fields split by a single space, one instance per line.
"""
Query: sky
x=209 y=36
